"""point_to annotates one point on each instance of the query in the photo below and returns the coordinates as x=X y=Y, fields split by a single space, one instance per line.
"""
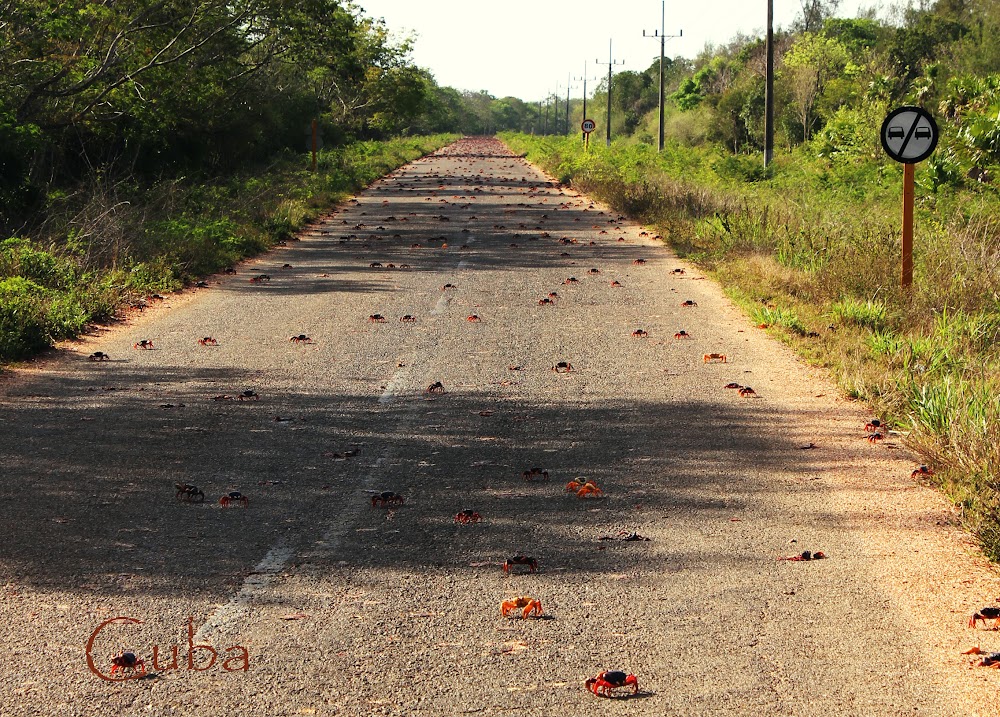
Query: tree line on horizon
x=836 y=78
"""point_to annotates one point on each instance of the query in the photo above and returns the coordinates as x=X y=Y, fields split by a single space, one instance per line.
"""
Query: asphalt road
x=348 y=609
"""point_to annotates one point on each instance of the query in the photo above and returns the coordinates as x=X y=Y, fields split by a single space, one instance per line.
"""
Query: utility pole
x=584 y=78
x=555 y=114
x=611 y=63
x=769 y=88
x=568 y=80
x=662 y=35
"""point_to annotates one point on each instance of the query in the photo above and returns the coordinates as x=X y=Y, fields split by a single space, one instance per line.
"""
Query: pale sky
x=525 y=48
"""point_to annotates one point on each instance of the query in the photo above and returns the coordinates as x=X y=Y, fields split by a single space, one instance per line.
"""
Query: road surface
x=343 y=608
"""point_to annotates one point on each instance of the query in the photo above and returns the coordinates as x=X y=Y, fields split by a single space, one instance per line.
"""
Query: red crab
x=640 y=334
x=677 y=271
x=234 y=498
x=143 y=344
x=571 y=280
x=689 y=303
x=376 y=319
x=732 y=385
x=922 y=471
x=407 y=319
x=301 y=339
x=190 y=493
x=984 y=614
x=593 y=271
x=712 y=358
x=260 y=279
x=473 y=318
x=639 y=262
x=584 y=489
x=873 y=425
x=248 y=395
x=386 y=498
x=546 y=302
x=208 y=341
x=682 y=334
x=535 y=474
x=875 y=436
x=528 y=604
x=447 y=287
x=435 y=388
x=617 y=284
x=127 y=661
x=747 y=392
x=563 y=367
x=520 y=560
x=610 y=680
x=468 y=516
x=98 y=356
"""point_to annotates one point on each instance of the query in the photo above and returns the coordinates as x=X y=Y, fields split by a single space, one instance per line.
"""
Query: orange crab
x=583 y=488
x=527 y=604
x=714 y=358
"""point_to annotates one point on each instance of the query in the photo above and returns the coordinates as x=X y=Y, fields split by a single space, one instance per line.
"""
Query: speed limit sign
x=588 y=126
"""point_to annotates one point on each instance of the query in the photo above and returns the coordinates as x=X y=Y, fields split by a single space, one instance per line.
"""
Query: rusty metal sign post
x=588 y=126
x=909 y=135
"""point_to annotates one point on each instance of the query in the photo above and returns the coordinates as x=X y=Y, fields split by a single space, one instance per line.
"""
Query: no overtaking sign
x=909 y=135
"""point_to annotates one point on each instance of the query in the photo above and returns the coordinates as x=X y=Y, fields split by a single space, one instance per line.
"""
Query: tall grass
x=804 y=250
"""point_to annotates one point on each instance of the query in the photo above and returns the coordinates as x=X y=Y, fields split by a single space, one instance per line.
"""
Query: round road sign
x=588 y=125
x=909 y=135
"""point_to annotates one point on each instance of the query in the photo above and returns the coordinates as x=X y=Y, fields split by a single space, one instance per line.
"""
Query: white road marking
x=262 y=575
x=441 y=305
x=279 y=555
